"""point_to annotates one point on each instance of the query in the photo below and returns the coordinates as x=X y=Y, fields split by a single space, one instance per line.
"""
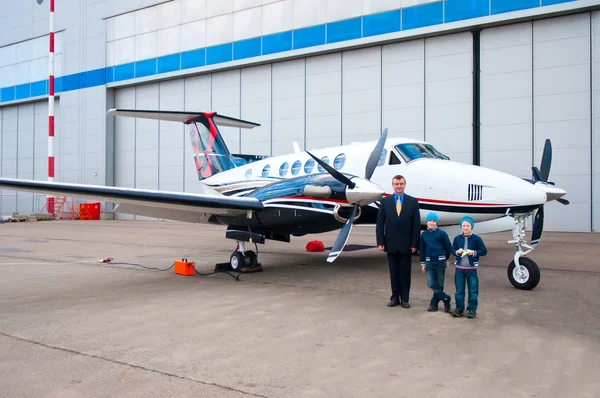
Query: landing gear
x=241 y=260
x=523 y=273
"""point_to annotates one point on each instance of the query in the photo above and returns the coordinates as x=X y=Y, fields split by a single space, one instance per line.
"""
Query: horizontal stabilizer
x=183 y=117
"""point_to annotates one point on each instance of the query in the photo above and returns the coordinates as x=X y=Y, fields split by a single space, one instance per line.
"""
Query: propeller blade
x=536 y=174
x=334 y=173
x=538 y=227
x=546 y=161
x=342 y=238
x=375 y=155
x=563 y=201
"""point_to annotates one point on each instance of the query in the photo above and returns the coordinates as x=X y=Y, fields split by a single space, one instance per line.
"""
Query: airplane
x=261 y=198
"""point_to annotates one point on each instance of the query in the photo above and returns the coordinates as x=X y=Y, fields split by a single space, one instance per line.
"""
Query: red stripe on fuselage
x=450 y=202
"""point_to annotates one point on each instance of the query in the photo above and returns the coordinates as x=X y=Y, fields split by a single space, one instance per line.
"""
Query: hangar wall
x=293 y=66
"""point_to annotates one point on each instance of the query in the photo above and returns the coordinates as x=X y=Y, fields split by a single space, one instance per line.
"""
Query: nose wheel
x=241 y=260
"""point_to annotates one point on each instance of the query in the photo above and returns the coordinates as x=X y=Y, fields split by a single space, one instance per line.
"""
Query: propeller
x=342 y=238
x=541 y=175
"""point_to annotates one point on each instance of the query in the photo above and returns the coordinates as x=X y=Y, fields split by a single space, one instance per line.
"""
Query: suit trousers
x=400 y=267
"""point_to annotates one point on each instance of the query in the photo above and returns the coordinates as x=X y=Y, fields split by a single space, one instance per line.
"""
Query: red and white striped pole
x=50 y=199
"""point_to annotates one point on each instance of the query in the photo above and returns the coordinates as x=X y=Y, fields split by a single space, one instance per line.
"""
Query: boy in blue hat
x=434 y=249
x=467 y=247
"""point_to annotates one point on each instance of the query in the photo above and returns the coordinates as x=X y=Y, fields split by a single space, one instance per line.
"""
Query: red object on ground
x=93 y=209
x=315 y=246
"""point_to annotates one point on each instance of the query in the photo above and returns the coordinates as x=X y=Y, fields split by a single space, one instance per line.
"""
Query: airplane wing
x=183 y=117
x=188 y=207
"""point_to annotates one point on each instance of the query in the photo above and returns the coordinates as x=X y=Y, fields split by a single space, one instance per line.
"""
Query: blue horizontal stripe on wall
x=7 y=93
x=58 y=85
x=72 y=82
x=145 y=68
x=218 y=54
x=92 y=78
x=458 y=10
x=193 y=59
x=246 y=48
x=169 y=63
x=440 y=12
x=110 y=74
x=344 y=30
x=552 y=2
x=308 y=37
x=23 y=91
x=379 y=24
x=423 y=15
x=500 y=6
x=39 y=88
x=277 y=43
x=124 y=72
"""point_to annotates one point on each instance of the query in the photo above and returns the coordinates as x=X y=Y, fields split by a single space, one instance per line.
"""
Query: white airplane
x=261 y=198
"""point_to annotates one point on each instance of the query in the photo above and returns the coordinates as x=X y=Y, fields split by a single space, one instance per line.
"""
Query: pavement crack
x=130 y=365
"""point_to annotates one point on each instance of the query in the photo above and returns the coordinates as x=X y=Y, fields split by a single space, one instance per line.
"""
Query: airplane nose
x=552 y=192
x=364 y=192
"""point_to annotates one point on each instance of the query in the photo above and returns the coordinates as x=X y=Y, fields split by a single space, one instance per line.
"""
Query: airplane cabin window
x=309 y=165
x=266 y=170
x=296 y=167
x=339 y=161
x=324 y=159
x=284 y=169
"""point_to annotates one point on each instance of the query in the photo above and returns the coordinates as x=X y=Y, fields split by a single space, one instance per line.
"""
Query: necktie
x=398 y=207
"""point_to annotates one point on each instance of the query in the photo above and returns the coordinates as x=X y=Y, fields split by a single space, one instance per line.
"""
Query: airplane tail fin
x=211 y=155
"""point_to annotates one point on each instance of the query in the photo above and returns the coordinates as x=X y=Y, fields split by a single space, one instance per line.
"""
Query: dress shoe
x=405 y=304
x=393 y=302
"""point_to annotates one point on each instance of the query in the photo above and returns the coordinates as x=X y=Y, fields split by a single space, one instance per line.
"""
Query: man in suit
x=398 y=231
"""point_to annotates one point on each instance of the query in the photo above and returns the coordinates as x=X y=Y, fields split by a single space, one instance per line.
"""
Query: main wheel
x=237 y=261
x=529 y=276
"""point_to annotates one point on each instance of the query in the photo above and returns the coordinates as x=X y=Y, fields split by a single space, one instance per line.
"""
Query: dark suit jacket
x=398 y=234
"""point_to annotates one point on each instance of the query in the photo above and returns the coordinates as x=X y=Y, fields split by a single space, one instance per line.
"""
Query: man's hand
x=422 y=268
x=470 y=253
x=380 y=248
x=459 y=252
x=413 y=250
x=447 y=263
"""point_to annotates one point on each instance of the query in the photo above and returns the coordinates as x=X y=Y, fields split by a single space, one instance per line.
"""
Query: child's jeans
x=470 y=277
x=436 y=272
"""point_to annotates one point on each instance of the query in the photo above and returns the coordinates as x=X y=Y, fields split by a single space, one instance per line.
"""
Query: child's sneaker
x=457 y=314
x=471 y=315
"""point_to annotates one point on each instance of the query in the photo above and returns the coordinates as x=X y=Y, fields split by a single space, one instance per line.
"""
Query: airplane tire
x=529 y=278
x=237 y=261
x=252 y=258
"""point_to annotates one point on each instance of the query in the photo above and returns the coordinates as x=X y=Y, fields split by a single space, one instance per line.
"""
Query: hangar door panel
x=449 y=95
x=596 y=120
x=24 y=153
x=562 y=113
x=506 y=99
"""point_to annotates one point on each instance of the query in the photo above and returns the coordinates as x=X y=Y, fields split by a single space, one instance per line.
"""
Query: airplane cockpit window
x=394 y=159
x=266 y=170
x=296 y=167
x=339 y=161
x=324 y=159
x=309 y=165
x=284 y=169
x=414 y=151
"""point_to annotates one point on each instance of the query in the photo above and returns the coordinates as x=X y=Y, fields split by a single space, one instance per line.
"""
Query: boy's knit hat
x=469 y=219
x=432 y=217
